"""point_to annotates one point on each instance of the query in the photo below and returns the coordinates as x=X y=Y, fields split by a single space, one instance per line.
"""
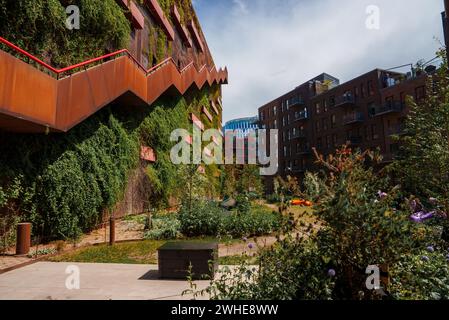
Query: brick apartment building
x=322 y=113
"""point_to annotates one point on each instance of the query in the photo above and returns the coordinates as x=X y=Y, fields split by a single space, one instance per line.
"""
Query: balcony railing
x=355 y=140
x=396 y=130
x=346 y=99
x=389 y=107
x=299 y=135
x=353 y=118
x=304 y=151
x=302 y=115
x=294 y=102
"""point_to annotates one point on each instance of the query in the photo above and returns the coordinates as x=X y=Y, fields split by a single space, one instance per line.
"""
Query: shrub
x=259 y=221
x=208 y=219
x=165 y=227
x=421 y=276
x=202 y=219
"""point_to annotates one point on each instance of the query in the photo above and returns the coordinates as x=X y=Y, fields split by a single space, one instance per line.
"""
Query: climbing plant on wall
x=38 y=26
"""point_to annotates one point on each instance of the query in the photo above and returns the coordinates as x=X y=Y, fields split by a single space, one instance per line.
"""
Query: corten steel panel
x=29 y=94
x=182 y=30
x=158 y=13
x=196 y=37
x=26 y=91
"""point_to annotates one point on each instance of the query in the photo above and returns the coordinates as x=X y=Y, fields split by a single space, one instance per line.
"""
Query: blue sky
x=271 y=46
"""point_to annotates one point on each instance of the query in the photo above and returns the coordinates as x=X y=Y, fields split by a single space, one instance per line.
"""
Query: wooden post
x=112 y=231
x=23 y=242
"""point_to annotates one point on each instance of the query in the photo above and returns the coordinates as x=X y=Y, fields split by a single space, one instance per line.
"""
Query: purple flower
x=251 y=246
x=430 y=249
x=422 y=216
x=331 y=273
x=382 y=195
x=245 y=239
x=425 y=258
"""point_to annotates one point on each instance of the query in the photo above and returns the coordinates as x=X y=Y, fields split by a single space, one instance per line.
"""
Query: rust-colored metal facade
x=34 y=101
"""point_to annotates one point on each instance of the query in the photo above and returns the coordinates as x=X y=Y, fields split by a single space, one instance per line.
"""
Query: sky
x=272 y=46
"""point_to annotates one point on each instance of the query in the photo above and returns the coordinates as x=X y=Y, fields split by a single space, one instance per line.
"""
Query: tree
x=422 y=166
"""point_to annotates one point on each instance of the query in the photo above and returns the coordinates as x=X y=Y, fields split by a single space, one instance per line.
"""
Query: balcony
x=295 y=102
x=299 y=135
x=197 y=122
x=355 y=140
x=147 y=154
x=297 y=170
x=207 y=114
x=389 y=107
x=353 y=118
x=182 y=30
x=159 y=15
x=396 y=130
x=196 y=36
x=345 y=100
x=302 y=115
x=136 y=17
x=304 y=151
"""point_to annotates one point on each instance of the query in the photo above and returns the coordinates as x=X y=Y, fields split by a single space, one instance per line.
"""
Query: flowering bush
x=362 y=222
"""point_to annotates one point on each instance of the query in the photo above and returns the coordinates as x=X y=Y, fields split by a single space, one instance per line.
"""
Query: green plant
x=202 y=219
x=423 y=275
x=165 y=227
x=422 y=163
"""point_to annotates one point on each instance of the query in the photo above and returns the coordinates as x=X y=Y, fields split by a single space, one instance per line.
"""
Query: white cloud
x=271 y=46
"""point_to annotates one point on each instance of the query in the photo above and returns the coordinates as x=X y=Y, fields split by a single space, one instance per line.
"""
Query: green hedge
x=207 y=218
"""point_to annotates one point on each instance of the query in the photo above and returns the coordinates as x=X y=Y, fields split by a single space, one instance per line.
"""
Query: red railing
x=91 y=61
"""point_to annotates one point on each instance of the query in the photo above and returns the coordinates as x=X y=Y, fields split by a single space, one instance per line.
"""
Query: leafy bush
x=165 y=227
x=359 y=227
x=288 y=270
x=208 y=219
x=422 y=276
x=259 y=221
x=202 y=219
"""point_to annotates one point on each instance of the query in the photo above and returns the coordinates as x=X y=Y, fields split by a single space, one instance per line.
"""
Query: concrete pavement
x=47 y=281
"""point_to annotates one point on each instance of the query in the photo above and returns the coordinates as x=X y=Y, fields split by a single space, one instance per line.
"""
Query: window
x=275 y=110
x=420 y=93
x=402 y=99
x=285 y=151
x=325 y=124
x=319 y=143
x=389 y=101
x=317 y=108
x=275 y=124
x=333 y=121
x=328 y=142
x=335 y=140
x=332 y=101
x=371 y=109
x=362 y=90
x=367 y=134
x=325 y=105
x=356 y=92
x=317 y=126
x=374 y=134
x=370 y=88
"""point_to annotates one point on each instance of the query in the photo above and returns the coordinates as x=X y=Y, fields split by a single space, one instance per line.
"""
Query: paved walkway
x=47 y=281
